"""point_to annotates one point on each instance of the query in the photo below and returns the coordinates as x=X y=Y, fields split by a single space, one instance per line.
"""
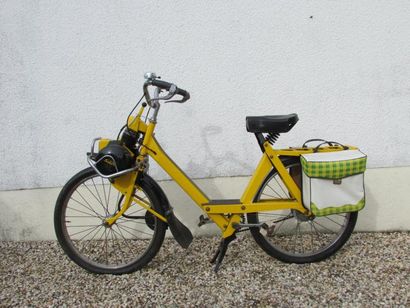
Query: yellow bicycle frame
x=224 y=214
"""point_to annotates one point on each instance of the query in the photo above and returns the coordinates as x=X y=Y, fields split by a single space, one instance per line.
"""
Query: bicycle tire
x=68 y=243
x=282 y=254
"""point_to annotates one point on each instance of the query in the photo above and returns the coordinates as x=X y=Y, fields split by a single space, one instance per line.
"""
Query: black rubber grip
x=166 y=86
x=183 y=93
x=161 y=84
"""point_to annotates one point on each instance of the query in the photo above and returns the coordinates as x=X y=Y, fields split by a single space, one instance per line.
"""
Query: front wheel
x=292 y=237
x=79 y=221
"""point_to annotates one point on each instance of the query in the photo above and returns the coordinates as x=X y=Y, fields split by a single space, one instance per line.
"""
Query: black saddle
x=271 y=124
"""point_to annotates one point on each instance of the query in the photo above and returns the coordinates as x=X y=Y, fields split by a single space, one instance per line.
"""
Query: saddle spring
x=272 y=137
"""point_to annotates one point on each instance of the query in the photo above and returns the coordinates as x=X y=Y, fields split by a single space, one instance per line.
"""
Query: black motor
x=130 y=138
x=114 y=158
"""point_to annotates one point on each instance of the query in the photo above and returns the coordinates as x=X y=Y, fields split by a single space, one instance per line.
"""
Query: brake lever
x=181 y=101
x=171 y=93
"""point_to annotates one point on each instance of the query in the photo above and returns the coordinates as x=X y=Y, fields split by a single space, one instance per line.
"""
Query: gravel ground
x=373 y=269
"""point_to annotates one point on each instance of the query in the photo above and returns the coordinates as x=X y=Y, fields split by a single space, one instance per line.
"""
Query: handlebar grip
x=167 y=85
x=161 y=84
x=183 y=93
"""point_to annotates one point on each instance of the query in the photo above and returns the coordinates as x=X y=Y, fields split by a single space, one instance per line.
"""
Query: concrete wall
x=72 y=70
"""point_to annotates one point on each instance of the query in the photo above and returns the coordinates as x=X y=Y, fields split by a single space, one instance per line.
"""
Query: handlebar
x=152 y=80
x=170 y=87
x=161 y=84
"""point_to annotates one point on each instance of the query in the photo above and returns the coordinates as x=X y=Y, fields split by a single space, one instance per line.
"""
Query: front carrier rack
x=93 y=163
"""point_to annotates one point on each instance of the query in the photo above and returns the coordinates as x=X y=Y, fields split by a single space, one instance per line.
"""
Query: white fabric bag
x=333 y=182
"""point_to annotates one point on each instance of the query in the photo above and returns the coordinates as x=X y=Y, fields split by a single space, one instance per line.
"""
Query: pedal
x=220 y=253
x=203 y=220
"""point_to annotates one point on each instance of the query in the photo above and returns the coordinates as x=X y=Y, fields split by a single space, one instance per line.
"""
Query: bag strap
x=330 y=143
x=313 y=140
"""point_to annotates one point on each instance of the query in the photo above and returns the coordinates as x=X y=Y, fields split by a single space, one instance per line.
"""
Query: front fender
x=164 y=203
x=180 y=232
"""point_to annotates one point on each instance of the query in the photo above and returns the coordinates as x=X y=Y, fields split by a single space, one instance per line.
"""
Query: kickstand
x=220 y=253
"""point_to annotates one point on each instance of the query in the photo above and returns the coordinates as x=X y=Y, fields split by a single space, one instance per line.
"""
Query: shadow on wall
x=187 y=209
x=212 y=164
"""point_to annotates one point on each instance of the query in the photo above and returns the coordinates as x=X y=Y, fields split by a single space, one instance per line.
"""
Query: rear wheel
x=291 y=236
x=128 y=245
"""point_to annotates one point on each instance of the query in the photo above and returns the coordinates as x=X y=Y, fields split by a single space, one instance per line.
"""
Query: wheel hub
x=301 y=217
x=105 y=222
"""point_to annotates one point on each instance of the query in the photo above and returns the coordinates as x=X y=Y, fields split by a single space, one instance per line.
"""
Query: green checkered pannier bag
x=333 y=182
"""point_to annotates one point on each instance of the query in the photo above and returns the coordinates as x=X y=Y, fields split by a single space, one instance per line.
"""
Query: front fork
x=126 y=186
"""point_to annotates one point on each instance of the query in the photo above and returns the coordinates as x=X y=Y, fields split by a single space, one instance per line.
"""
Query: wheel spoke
x=106 y=246
x=275 y=192
x=113 y=238
x=106 y=213
x=109 y=193
x=86 y=207
x=141 y=198
x=88 y=233
x=77 y=210
x=295 y=237
x=270 y=196
x=98 y=194
x=79 y=232
x=284 y=192
x=105 y=196
x=119 y=244
x=139 y=210
x=123 y=220
x=277 y=229
x=331 y=231
x=124 y=226
x=311 y=235
x=125 y=240
x=317 y=233
x=118 y=199
x=80 y=216
x=298 y=236
x=277 y=219
x=333 y=221
x=90 y=241
x=79 y=226
x=89 y=206
x=125 y=230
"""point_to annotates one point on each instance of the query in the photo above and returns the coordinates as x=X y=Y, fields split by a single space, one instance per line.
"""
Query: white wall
x=71 y=71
